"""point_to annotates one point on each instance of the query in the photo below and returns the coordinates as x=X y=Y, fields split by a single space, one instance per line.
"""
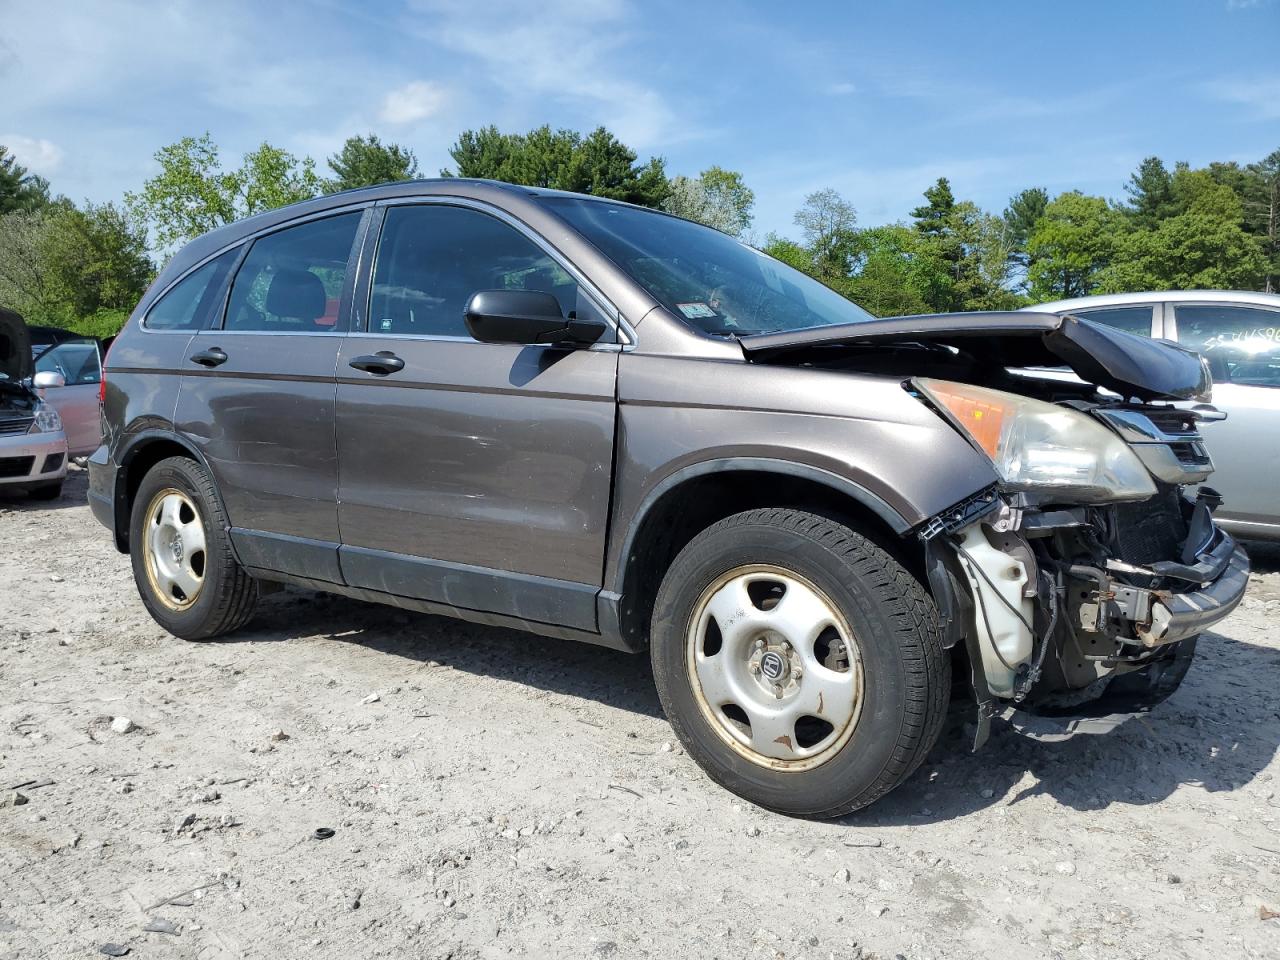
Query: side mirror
x=48 y=378
x=526 y=317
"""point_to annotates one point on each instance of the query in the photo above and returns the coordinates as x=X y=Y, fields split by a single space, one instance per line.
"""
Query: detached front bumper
x=1176 y=616
x=1214 y=586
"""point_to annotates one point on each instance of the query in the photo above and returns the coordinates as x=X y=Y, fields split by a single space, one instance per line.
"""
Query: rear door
x=77 y=401
x=472 y=474
x=258 y=394
x=1242 y=344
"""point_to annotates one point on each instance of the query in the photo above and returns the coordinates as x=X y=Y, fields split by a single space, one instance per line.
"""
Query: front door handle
x=212 y=357
x=382 y=363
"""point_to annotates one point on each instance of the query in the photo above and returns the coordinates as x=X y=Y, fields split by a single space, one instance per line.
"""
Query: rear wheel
x=183 y=565
x=799 y=663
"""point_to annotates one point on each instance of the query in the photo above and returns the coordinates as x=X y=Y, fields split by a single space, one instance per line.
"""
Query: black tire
x=227 y=599
x=906 y=671
x=46 y=491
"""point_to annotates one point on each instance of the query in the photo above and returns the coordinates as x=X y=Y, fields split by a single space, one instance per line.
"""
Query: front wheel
x=798 y=662
x=186 y=573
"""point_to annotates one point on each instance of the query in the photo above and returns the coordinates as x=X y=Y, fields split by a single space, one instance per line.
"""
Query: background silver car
x=76 y=368
x=1239 y=333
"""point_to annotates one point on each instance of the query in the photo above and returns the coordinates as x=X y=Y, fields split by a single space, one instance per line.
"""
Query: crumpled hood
x=15 y=347
x=1128 y=364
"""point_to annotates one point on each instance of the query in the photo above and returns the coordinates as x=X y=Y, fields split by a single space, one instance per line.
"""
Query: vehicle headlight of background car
x=46 y=420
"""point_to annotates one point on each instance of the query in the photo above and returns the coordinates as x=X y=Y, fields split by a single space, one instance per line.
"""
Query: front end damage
x=1089 y=609
x=1079 y=581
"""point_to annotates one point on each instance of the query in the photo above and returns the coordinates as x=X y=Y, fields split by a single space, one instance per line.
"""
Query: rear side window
x=187 y=304
x=292 y=280
x=1241 y=343
x=432 y=258
x=1129 y=319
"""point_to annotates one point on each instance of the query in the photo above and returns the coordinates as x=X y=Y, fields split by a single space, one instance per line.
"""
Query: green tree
x=65 y=265
x=789 y=252
x=1205 y=247
x=973 y=246
x=193 y=194
x=598 y=164
x=827 y=221
x=365 y=161
x=20 y=189
x=1071 y=244
x=719 y=198
x=1020 y=217
x=1150 y=190
x=895 y=272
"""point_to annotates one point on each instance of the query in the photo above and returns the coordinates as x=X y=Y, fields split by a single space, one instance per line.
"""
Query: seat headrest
x=296 y=293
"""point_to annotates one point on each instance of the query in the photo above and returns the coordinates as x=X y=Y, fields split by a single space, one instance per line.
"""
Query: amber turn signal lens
x=980 y=419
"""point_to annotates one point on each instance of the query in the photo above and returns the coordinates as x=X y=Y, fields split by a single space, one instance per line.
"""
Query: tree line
x=84 y=266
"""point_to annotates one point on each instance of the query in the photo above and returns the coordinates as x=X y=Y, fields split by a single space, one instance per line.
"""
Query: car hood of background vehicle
x=15 y=347
x=1126 y=363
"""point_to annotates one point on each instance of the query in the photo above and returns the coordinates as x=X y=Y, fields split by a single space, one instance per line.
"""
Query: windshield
x=708 y=279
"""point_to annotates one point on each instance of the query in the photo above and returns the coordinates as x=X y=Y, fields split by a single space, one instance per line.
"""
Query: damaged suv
x=594 y=421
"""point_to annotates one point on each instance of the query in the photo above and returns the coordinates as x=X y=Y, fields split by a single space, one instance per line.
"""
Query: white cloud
x=572 y=52
x=412 y=102
x=841 y=89
x=38 y=155
x=1259 y=95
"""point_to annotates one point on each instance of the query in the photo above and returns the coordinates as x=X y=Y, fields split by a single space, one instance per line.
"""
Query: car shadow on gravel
x=1264 y=556
x=75 y=491
x=1219 y=731
x=566 y=667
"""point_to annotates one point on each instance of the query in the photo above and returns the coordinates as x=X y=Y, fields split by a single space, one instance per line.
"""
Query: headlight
x=47 y=420
x=1039 y=447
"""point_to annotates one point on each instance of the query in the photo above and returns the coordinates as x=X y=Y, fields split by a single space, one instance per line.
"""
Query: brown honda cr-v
x=596 y=421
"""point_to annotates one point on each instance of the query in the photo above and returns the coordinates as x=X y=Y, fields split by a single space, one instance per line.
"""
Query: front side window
x=1241 y=343
x=433 y=257
x=291 y=280
x=711 y=281
x=76 y=360
x=187 y=304
x=1129 y=319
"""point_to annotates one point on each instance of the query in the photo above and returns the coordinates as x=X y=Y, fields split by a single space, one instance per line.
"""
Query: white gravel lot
x=507 y=795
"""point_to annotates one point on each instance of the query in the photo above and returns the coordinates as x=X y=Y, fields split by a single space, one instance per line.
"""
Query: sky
x=875 y=100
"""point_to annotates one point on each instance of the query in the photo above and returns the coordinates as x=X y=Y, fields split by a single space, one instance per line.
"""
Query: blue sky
x=873 y=99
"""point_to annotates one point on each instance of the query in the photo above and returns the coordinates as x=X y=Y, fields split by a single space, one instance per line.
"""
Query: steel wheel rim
x=772 y=665
x=174 y=549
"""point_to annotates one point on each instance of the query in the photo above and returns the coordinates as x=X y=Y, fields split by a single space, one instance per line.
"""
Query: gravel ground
x=497 y=794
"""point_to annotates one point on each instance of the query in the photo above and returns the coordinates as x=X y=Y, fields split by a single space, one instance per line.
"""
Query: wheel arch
x=692 y=498
x=143 y=451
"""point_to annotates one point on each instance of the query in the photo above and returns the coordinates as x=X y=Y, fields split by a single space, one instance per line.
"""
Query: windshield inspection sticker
x=695 y=311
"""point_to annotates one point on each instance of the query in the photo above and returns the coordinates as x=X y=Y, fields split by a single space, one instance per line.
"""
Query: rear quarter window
x=189 y=302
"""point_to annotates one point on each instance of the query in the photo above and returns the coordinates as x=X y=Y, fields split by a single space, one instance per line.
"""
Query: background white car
x=1239 y=333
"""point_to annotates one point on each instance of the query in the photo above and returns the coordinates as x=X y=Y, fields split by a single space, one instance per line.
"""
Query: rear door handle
x=212 y=357
x=381 y=363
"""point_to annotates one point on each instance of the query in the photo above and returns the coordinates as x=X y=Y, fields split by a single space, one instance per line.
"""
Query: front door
x=77 y=400
x=258 y=396
x=470 y=474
